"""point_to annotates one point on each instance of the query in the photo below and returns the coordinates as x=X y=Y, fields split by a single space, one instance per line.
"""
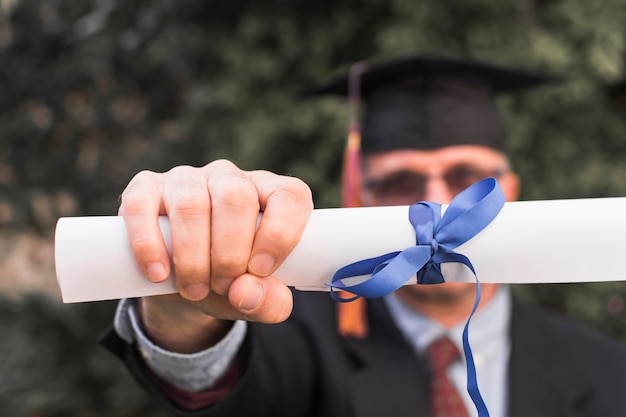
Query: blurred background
x=91 y=92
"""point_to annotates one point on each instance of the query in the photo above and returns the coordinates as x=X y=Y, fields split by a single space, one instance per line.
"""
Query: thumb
x=262 y=299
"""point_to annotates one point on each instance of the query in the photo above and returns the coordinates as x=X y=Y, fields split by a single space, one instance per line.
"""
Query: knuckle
x=296 y=190
x=280 y=238
x=143 y=245
x=187 y=186
x=133 y=205
x=142 y=177
x=240 y=194
x=136 y=189
x=222 y=164
x=190 y=271
x=187 y=197
x=179 y=170
x=189 y=206
x=188 y=182
x=227 y=264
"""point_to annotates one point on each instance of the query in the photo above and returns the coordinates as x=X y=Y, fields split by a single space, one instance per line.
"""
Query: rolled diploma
x=528 y=242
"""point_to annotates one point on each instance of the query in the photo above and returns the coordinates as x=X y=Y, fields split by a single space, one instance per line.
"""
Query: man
x=431 y=129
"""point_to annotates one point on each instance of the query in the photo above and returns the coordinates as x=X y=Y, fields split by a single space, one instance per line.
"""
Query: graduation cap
x=425 y=102
x=429 y=101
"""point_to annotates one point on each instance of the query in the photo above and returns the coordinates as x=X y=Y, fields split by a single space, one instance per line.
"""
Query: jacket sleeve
x=277 y=375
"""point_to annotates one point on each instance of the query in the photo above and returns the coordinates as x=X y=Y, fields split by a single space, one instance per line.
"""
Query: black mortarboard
x=428 y=102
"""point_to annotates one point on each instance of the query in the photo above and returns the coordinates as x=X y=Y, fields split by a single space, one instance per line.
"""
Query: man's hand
x=223 y=263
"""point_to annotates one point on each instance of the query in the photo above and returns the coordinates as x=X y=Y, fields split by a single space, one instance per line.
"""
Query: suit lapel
x=387 y=364
x=539 y=385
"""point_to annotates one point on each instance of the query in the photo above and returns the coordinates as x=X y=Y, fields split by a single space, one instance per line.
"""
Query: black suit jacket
x=304 y=368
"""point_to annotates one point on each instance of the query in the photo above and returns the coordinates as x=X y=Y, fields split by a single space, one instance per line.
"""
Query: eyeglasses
x=408 y=187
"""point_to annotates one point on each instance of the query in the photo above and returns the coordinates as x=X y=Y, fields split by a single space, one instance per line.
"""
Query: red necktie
x=445 y=400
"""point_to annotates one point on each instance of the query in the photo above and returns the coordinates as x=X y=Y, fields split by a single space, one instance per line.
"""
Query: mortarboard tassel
x=352 y=316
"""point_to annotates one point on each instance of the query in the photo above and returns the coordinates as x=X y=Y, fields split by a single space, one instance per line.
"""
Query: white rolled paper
x=528 y=242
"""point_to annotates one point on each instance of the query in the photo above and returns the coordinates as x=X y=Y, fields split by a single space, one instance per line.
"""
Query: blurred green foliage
x=91 y=92
x=51 y=366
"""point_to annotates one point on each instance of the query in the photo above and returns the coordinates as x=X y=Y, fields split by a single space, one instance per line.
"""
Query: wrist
x=178 y=326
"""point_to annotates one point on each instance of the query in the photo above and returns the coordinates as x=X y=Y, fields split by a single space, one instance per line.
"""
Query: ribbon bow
x=437 y=237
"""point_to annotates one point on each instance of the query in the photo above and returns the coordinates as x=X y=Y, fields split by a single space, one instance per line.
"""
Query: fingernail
x=262 y=264
x=253 y=298
x=195 y=292
x=156 y=272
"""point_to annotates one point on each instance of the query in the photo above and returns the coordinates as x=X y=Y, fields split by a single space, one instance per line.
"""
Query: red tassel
x=352 y=316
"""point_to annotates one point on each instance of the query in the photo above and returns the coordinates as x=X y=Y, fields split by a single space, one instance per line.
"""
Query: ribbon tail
x=472 y=381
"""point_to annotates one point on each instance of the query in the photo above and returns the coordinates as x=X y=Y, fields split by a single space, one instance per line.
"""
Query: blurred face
x=407 y=176
x=404 y=177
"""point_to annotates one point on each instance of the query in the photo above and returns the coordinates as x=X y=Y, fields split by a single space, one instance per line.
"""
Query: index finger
x=140 y=207
x=286 y=203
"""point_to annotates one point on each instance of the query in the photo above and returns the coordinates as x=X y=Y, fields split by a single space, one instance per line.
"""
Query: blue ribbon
x=437 y=237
